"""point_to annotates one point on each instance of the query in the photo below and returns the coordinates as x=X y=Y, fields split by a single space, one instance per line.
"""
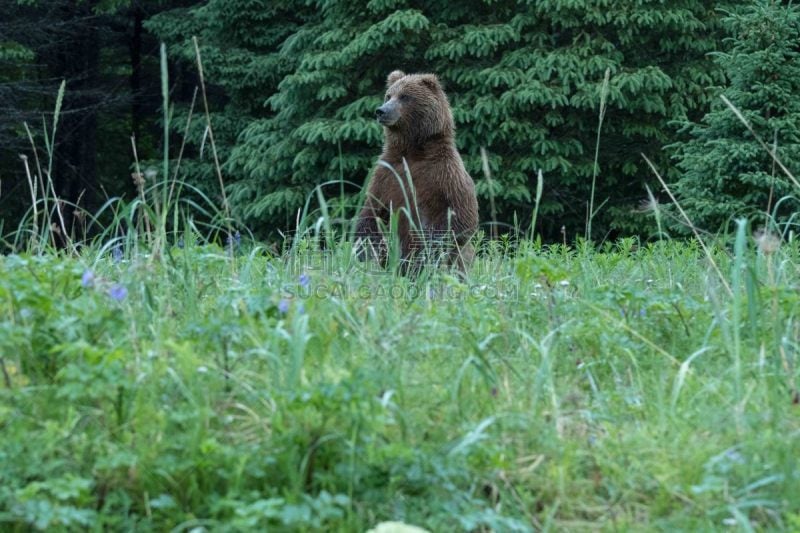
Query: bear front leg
x=447 y=243
x=369 y=239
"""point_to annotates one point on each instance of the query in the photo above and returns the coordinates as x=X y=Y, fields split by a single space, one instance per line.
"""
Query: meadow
x=634 y=386
x=163 y=372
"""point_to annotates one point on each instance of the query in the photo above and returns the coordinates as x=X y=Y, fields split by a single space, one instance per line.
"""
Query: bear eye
x=404 y=98
x=386 y=99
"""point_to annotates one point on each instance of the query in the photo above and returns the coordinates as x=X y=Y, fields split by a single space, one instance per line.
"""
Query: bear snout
x=387 y=114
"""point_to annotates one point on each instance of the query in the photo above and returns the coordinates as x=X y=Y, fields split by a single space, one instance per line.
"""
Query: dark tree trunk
x=88 y=160
x=75 y=170
x=136 y=72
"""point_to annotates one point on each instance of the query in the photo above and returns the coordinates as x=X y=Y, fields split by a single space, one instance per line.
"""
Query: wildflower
x=305 y=280
x=734 y=456
x=283 y=306
x=118 y=292
x=564 y=283
x=202 y=369
x=138 y=179
x=234 y=240
x=768 y=243
x=87 y=280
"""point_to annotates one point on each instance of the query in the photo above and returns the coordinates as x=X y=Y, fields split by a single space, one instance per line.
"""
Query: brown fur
x=419 y=129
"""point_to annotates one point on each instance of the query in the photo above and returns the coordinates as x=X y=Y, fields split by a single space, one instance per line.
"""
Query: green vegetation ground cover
x=637 y=386
x=558 y=387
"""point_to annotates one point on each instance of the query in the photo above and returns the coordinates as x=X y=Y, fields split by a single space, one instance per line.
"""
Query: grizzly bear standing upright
x=438 y=207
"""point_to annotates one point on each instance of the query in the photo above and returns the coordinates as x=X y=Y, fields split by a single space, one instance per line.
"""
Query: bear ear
x=431 y=82
x=393 y=77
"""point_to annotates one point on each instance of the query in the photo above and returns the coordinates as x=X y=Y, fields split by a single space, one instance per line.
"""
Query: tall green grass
x=556 y=388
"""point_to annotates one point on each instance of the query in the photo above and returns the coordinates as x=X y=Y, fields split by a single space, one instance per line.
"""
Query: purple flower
x=305 y=280
x=283 y=306
x=87 y=280
x=118 y=292
x=234 y=240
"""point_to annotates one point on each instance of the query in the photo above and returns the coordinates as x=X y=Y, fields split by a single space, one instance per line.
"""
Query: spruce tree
x=239 y=42
x=725 y=172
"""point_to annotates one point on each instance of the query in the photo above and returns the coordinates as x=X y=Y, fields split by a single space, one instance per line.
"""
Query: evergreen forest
x=581 y=91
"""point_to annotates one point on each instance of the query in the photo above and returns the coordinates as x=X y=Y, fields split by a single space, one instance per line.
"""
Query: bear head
x=415 y=107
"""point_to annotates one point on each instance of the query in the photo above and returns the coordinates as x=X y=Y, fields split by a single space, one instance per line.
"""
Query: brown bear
x=437 y=209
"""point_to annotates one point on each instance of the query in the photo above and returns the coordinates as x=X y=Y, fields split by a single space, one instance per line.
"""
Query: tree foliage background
x=725 y=173
x=293 y=85
x=100 y=49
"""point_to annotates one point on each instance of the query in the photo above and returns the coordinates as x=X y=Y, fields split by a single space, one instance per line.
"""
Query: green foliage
x=524 y=79
x=725 y=172
x=552 y=384
x=11 y=52
x=239 y=43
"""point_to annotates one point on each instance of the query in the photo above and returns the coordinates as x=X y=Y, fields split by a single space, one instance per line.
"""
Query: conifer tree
x=725 y=172
x=239 y=42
